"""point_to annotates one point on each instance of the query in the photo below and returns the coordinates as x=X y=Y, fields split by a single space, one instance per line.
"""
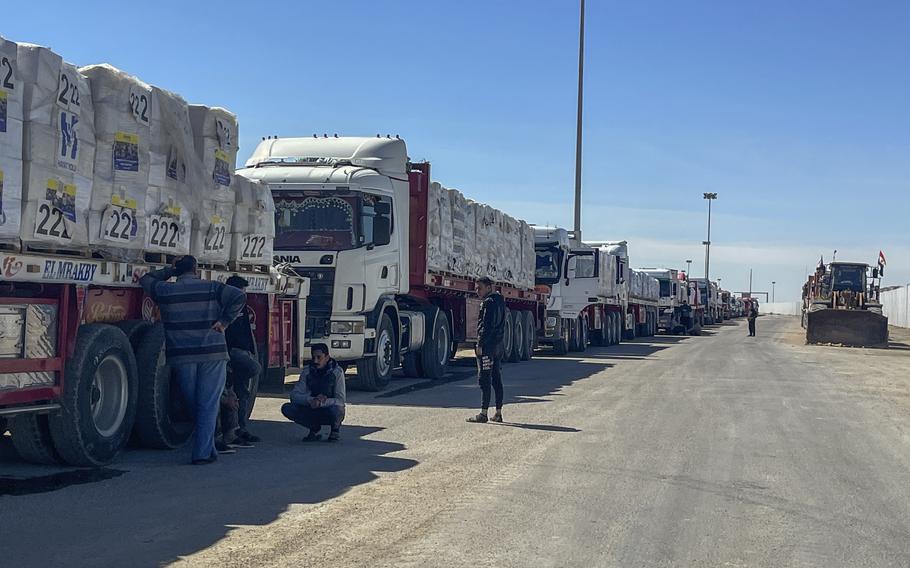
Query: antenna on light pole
x=581 y=74
x=772 y=290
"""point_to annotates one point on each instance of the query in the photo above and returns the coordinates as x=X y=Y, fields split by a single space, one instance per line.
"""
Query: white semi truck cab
x=675 y=314
x=342 y=221
x=571 y=271
x=352 y=215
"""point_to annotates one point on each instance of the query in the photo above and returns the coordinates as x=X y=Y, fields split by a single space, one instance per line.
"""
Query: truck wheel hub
x=110 y=393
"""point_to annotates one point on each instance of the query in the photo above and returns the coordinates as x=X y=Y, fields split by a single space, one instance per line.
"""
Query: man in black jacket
x=490 y=333
x=243 y=365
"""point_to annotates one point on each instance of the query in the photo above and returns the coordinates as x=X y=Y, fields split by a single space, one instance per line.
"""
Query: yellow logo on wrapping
x=2 y=95
x=219 y=155
x=68 y=188
x=120 y=202
x=216 y=219
x=126 y=137
x=173 y=210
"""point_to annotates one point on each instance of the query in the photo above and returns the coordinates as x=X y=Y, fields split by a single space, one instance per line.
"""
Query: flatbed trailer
x=82 y=364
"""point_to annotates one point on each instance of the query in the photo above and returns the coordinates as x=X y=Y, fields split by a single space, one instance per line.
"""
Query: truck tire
x=32 y=439
x=134 y=330
x=375 y=373
x=434 y=355
x=518 y=337
x=99 y=398
x=585 y=334
x=530 y=336
x=561 y=345
x=507 y=343
x=163 y=420
x=630 y=333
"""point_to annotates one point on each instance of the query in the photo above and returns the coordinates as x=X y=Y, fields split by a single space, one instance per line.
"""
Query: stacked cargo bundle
x=10 y=144
x=215 y=139
x=253 y=232
x=58 y=150
x=123 y=117
x=439 y=229
x=471 y=239
x=175 y=176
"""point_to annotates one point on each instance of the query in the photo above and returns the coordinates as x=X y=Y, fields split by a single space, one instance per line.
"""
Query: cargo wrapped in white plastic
x=253 y=232
x=439 y=229
x=471 y=239
x=58 y=150
x=211 y=238
x=215 y=136
x=124 y=112
x=10 y=143
x=175 y=175
x=607 y=286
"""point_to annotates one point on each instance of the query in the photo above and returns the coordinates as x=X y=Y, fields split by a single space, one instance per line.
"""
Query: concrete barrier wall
x=781 y=308
x=896 y=305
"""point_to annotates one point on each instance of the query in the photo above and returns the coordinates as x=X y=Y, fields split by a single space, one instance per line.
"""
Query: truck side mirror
x=382 y=230
x=875 y=273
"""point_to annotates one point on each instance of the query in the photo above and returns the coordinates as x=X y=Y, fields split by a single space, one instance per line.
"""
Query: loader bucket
x=854 y=328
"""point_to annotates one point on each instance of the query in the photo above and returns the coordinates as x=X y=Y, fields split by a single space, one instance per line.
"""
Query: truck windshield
x=548 y=266
x=317 y=222
x=848 y=277
x=585 y=265
x=665 y=288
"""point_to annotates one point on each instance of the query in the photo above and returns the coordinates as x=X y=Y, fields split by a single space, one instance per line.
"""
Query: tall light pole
x=772 y=290
x=710 y=197
x=581 y=74
x=689 y=268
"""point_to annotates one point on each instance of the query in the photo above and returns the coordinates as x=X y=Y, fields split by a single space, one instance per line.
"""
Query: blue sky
x=796 y=113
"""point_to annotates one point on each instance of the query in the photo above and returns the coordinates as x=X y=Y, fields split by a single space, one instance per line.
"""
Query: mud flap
x=855 y=328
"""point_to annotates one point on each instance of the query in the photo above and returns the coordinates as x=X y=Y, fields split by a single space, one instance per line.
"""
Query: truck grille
x=319 y=302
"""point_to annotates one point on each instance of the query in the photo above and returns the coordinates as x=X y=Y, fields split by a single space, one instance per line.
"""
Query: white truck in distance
x=675 y=312
x=576 y=313
x=709 y=297
x=353 y=215
x=634 y=293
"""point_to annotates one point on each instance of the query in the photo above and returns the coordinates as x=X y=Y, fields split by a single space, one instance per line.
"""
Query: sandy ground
x=720 y=450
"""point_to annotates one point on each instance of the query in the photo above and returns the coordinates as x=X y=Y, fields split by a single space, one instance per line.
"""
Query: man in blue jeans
x=195 y=313
x=318 y=397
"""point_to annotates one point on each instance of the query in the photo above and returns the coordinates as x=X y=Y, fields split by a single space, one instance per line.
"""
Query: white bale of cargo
x=175 y=176
x=58 y=150
x=253 y=231
x=644 y=286
x=124 y=110
x=215 y=135
x=10 y=143
x=215 y=141
x=610 y=283
x=473 y=240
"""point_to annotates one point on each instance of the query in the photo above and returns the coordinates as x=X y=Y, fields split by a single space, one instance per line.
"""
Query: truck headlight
x=551 y=321
x=345 y=327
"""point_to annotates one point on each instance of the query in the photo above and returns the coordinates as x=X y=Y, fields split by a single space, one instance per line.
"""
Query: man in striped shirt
x=195 y=313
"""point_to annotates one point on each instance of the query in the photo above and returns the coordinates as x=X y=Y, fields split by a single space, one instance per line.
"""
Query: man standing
x=490 y=334
x=195 y=314
x=318 y=397
x=243 y=364
x=753 y=315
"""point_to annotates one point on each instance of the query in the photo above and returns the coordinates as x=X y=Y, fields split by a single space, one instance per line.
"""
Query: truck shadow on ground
x=530 y=382
x=160 y=509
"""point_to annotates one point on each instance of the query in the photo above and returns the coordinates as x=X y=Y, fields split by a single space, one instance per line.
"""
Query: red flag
x=881 y=259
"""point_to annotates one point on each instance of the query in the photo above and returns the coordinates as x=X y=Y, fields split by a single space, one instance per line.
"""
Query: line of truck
x=371 y=256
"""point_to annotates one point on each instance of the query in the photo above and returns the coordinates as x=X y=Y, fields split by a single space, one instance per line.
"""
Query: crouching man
x=318 y=397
